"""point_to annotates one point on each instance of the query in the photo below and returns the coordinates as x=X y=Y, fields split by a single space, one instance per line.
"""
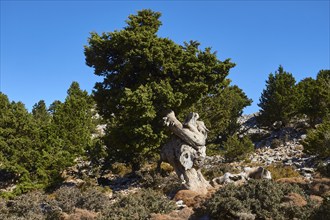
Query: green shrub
x=237 y=149
x=219 y=170
x=263 y=198
x=318 y=140
x=120 y=169
x=280 y=171
x=139 y=205
x=93 y=200
x=67 y=198
x=26 y=206
x=168 y=184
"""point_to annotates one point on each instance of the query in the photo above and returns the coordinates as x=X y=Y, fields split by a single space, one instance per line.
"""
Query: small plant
x=26 y=206
x=280 y=171
x=120 y=169
x=139 y=205
x=264 y=199
x=93 y=199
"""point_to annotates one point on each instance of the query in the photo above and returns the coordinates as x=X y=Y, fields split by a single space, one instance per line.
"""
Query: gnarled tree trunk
x=186 y=150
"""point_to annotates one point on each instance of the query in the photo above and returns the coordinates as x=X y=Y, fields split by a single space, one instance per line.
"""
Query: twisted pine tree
x=143 y=75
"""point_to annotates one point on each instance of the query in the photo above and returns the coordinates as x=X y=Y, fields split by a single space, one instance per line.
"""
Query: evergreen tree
x=323 y=87
x=220 y=112
x=236 y=148
x=72 y=121
x=318 y=140
x=40 y=113
x=144 y=75
x=313 y=97
x=308 y=99
x=277 y=101
x=19 y=144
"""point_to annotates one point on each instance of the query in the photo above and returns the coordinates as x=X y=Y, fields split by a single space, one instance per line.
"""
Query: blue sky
x=42 y=42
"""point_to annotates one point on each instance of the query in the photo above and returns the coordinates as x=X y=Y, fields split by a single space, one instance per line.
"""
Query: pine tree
x=323 y=86
x=145 y=75
x=72 y=121
x=277 y=101
x=220 y=112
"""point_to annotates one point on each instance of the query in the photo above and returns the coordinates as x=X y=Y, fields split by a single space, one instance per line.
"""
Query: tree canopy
x=145 y=74
x=36 y=147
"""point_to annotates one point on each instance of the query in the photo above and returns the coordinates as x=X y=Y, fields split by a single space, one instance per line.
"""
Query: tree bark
x=186 y=150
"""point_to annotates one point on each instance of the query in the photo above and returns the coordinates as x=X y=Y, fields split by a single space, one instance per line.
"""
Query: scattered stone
x=248 y=173
x=180 y=204
x=181 y=214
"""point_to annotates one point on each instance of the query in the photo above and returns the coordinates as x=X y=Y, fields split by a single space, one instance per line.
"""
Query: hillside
x=297 y=186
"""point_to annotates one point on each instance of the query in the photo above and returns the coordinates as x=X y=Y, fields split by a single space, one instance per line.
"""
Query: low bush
x=168 y=184
x=264 y=199
x=120 y=169
x=219 y=170
x=279 y=171
x=26 y=206
x=139 y=205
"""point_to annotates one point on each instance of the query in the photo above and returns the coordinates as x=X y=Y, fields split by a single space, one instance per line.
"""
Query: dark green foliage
x=139 y=205
x=262 y=198
x=20 y=149
x=236 y=148
x=323 y=82
x=318 y=140
x=36 y=147
x=144 y=75
x=220 y=112
x=73 y=121
x=308 y=99
x=314 y=97
x=277 y=101
x=41 y=114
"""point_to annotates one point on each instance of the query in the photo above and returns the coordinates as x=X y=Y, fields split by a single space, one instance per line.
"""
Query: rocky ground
x=279 y=151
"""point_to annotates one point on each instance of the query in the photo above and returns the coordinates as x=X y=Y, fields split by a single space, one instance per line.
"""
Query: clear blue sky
x=42 y=42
